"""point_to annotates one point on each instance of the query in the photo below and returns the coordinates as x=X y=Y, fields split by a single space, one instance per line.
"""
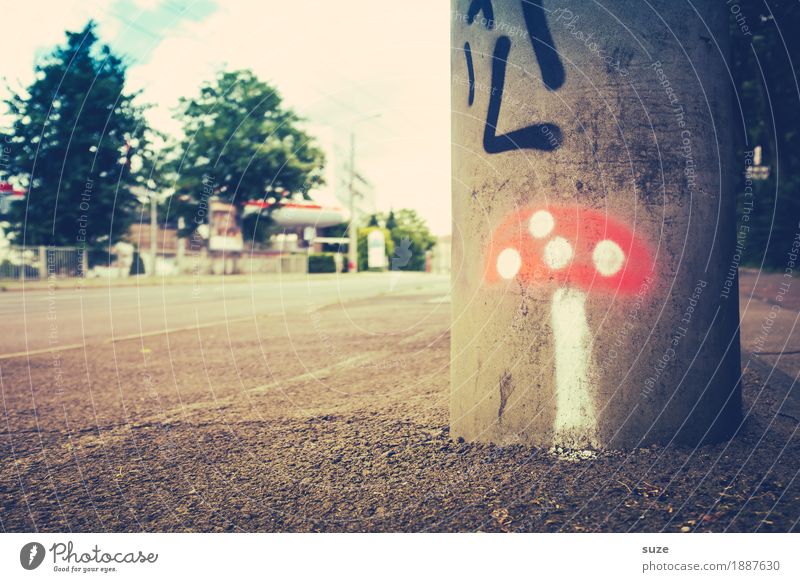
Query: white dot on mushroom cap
x=608 y=258
x=557 y=253
x=541 y=224
x=508 y=263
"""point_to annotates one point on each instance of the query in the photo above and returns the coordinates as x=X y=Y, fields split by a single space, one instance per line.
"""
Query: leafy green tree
x=241 y=143
x=411 y=238
x=75 y=134
x=765 y=59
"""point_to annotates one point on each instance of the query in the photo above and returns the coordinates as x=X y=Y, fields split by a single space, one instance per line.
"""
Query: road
x=770 y=314
x=44 y=318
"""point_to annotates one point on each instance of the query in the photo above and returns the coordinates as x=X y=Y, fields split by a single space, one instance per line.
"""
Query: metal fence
x=40 y=263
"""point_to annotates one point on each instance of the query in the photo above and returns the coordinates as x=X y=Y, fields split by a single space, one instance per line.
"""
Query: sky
x=378 y=69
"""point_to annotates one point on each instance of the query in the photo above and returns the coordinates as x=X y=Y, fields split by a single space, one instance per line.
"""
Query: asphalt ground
x=332 y=415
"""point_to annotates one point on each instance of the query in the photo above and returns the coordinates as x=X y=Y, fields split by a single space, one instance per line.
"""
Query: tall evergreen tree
x=410 y=239
x=391 y=220
x=75 y=133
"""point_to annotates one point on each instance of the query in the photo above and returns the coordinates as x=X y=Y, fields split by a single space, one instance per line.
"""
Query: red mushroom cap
x=569 y=245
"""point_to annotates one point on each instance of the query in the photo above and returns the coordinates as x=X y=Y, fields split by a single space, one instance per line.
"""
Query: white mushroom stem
x=575 y=423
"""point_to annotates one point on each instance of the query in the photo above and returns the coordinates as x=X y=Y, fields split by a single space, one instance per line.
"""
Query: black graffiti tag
x=537 y=136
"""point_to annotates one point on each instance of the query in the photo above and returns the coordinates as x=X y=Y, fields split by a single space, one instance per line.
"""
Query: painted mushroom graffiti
x=576 y=251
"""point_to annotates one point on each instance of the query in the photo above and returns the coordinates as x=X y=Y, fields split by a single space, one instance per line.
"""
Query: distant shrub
x=321 y=263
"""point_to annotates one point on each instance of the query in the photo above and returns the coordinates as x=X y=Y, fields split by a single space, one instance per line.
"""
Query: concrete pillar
x=594 y=303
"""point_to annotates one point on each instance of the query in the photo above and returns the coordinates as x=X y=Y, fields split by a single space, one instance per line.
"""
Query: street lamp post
x=352 y=247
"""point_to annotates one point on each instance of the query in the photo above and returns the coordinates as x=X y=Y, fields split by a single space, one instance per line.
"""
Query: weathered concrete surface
x=623 y=133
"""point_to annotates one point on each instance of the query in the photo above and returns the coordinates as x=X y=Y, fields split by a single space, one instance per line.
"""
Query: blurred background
x=286 y=120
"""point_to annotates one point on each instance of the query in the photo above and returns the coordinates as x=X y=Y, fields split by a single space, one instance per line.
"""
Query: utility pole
x=595 y=299
x=352 y=247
